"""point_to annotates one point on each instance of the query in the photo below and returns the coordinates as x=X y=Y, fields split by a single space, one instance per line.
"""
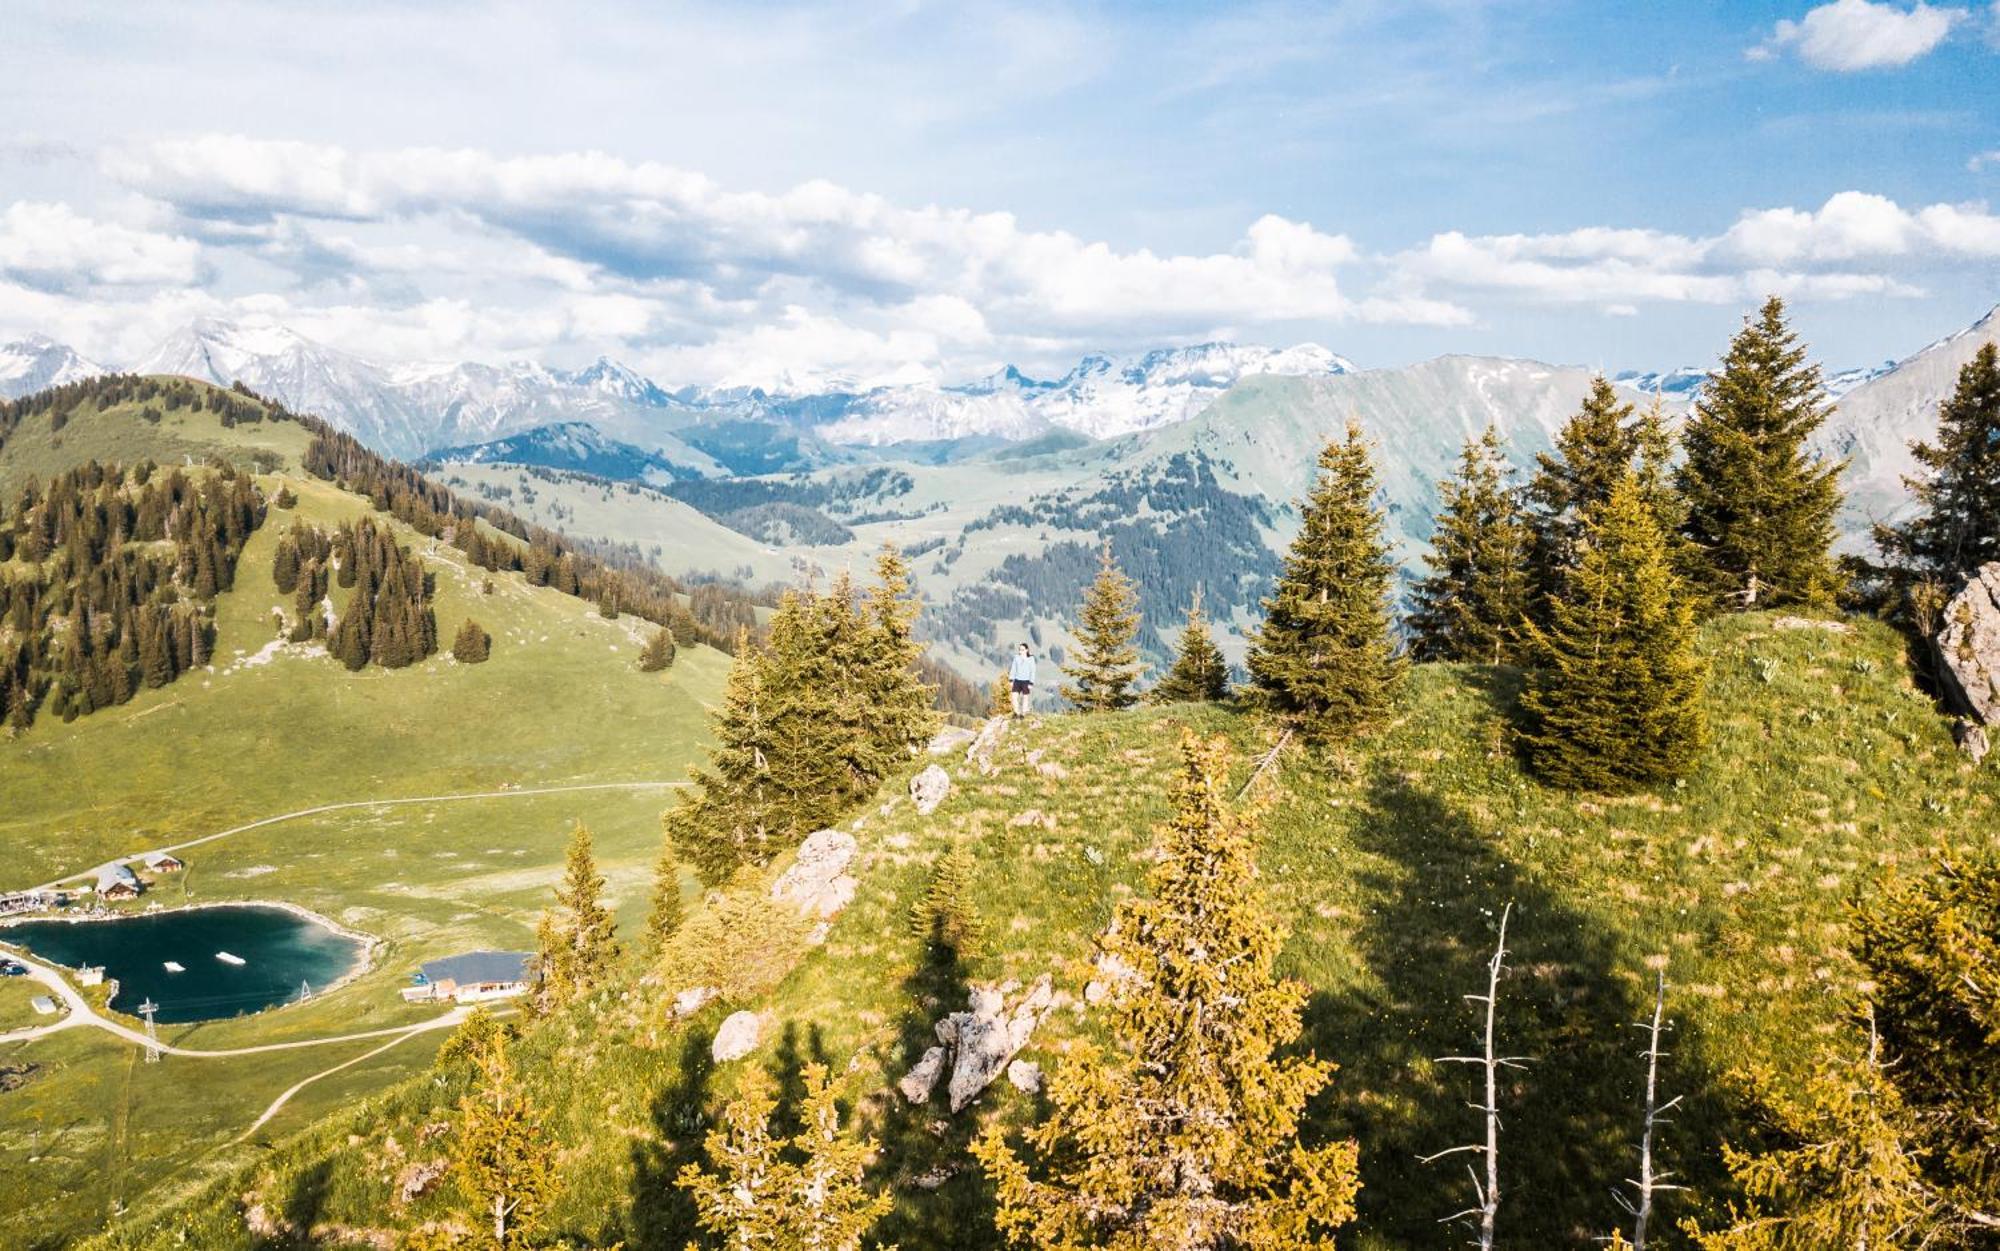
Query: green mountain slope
x=271 y=729
x=1390 y=860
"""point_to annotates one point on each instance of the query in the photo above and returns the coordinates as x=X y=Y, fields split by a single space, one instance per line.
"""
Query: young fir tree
x=805 y=1193
x=732 y=815
x=503 y=1155
x=1186 y=1135
x=1957 y=526
x=1104 y=665
x=1325 y=659
x=1614 y=699
x=947 y=916
x=1760 y=505
x=1469 y=607
x=658 y=654
x=583 y=927
x=1199 y=673
x=901 y=709
x=1000 y=696
x=1593 y=450
x=473 y=644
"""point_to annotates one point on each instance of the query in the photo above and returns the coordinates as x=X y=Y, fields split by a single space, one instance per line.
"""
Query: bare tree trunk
x=1650 y=1183
x=1489 y=1060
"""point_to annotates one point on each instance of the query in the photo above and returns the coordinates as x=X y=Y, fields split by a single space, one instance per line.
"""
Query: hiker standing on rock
x=1021 y=679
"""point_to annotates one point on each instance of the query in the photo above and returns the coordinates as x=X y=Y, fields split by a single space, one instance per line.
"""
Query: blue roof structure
x=475 y=967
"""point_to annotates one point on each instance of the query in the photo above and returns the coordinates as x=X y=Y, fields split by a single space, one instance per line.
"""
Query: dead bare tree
x=1487 y=1192
x=1650 y=1182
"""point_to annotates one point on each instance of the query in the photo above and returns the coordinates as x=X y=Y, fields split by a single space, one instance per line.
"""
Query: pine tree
x=1760 y=505
x=1105 y=663
x=1325 y=658
x=503 y=1153
x=1614 y=701
x=805 y=1193
x=473 y=644
x=587 y=926
x=1185 y=1136
x=900 y=708
x=1957 y=526
x=1593 y=450
x=668 y=911
x=947 y=916
x=658 y=654
x=1199 y=672
x=733 y=815
x=1469 y=607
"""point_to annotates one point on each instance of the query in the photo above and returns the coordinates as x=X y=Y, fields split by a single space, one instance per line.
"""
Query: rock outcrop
x=983 y=1040
x=1968 y=646
x=693 y=1000
x=818 y=884
x=922 y=1078
x=951 y=739
x=737 y=1037
x=980 y=754
x=929 y=788
x=1971 y=739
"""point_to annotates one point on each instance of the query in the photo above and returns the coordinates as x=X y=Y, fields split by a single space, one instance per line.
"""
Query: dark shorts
x=1023 y=688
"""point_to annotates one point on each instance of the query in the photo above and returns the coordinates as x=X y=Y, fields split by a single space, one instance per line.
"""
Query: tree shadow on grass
x=662 y=1216
x=922 y=1143
x=1571 y=1118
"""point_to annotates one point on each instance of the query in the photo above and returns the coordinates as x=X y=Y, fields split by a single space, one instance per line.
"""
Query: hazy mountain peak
x=37 y=362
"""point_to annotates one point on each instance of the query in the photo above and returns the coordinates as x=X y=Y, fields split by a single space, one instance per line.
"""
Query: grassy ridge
x=1389 y=862
x=116 y=433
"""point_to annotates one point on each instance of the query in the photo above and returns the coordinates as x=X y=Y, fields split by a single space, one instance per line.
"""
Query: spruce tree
x=733 y=815
x=1760 y=504
x=473 y=644
x=503 y=1153
x=1104 y=665
x=1593 y=450
x=805 y=1193
x=1957 y=526
x=658 y=654
x=587 y=926
x=999 y=696
x=668 y=910
x=947 y=915
x=1186 y=1135
x=1325 y=659
x=1469 y=607
x=1199 y=673
x=900 y=707
x=1614 y=699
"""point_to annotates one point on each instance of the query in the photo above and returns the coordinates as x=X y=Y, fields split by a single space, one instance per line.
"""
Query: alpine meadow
x=711 y=629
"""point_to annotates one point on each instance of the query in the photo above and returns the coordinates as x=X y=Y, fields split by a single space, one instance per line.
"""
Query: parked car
x=11 y=968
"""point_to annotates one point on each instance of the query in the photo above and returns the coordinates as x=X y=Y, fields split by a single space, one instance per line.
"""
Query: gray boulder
x=950 y=739
x=980 y=754
x=737 y=1037
x=1968 y=646
x=817 y=884
x=1971 y=739
x=983 y=1040
x=922 y=1078
x=928 y=789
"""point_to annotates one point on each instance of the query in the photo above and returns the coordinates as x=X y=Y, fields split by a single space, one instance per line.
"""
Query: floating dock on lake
x=226 y=958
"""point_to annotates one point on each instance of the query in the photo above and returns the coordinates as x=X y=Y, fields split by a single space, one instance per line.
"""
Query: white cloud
x=1849 y=35
x=1989 y=159
x=53 y=245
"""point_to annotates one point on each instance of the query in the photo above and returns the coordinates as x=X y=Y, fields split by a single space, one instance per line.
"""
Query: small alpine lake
x=202 y=963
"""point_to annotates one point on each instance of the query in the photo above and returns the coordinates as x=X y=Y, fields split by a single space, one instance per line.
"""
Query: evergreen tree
x=503 y=1154
x=732 y=816
x=555 y=965
x=1186 y=1136
x=1199 y=672
x=1760 y=505
x=1105 y=663
x=1325 y=658
x=947 y=915
x=900 y=708
x=1000 y=696
x=1614 y=701
x=1469 y=607
x=1957 y=526
x=472 y=645
x=285 y=566
x=587 y=926
x=766 y=1193
x=668 y=911
x=1593 y=450
x=658 y=654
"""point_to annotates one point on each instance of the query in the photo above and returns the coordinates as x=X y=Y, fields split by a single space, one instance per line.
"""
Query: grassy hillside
x=271 y=729
x=1390 y=861
x=41 y=446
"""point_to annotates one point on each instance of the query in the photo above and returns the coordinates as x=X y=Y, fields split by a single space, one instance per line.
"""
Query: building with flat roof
x=473 y=977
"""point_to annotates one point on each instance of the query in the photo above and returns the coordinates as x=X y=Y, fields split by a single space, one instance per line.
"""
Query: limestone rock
x=1051 y=770
x=737 y=1037
x=1025 y=1075
x=693 y=1000
x=935 y=1176
x=984 y=1039
x=419 y=1179
x=928 y=789
x=817 y=884
x=918 y=1083
x=951 y=739
x=1971 y=738
x=1969 y=646
x=980 y=754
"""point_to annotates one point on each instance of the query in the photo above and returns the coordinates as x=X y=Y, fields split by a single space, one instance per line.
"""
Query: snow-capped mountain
x=583 y=448
x=1687 y=381
x=37 y=362
x=1103 y=397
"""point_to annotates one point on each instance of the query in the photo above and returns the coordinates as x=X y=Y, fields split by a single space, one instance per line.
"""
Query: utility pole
x=147 y=1009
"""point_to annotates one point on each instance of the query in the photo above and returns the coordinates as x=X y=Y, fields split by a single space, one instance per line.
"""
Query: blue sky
x=779 y=193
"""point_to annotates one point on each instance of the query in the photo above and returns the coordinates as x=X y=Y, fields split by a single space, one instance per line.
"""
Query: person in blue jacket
x=1021 y=679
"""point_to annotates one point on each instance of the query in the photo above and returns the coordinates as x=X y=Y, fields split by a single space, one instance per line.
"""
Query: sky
x=800 y=195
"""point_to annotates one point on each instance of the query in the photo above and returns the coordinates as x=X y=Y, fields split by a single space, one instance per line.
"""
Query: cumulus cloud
x=1989 y=159
x=1849 y=35
x=52 y=245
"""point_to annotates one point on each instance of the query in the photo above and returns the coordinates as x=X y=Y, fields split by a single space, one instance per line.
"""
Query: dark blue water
x=280 y=951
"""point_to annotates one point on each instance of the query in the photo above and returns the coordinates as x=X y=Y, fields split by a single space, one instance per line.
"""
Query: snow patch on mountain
x=37 y=363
